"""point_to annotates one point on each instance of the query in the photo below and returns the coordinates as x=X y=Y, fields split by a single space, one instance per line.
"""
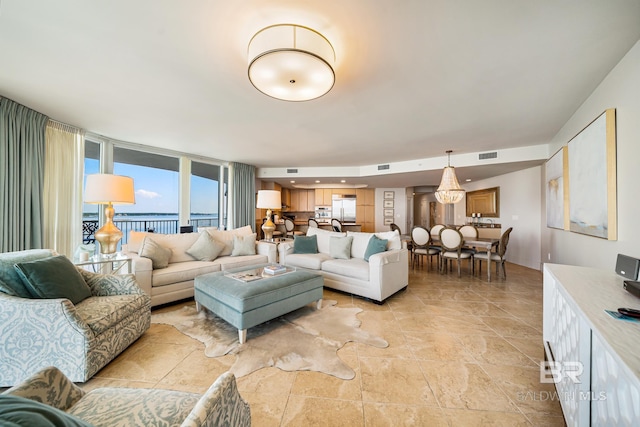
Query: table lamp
x=109 y=189
x=268 y=199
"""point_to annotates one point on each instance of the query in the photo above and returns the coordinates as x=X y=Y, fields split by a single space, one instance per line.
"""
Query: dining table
x=477 y=242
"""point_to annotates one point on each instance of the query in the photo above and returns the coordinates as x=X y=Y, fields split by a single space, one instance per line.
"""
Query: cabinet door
x=303 y=200
x=295 y=200
x=311 y=200
x=327 y=194
x=370 y=197
x=319 y=196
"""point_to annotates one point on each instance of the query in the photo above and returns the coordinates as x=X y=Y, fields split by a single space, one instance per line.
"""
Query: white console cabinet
x=594 y=359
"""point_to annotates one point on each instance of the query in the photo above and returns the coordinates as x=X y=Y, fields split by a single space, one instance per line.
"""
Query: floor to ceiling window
x=156 y=181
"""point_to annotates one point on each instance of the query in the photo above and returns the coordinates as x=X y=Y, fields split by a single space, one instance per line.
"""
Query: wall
x=399 y=208
x=619 y=90
x=520 y=201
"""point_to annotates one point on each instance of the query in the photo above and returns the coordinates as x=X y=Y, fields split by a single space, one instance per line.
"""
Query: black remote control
x=631 y=312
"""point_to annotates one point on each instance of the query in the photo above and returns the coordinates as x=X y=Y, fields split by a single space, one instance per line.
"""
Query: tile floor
x=461 y=352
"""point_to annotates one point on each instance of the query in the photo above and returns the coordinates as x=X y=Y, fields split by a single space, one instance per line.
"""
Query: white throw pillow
x=158 y=255
x=226 y=237
x=244 y=245
x=206 y=248
x=393 y=238
x=323 y=237
x=340 y=247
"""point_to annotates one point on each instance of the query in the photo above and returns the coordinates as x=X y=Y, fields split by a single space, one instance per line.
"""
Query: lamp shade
x=291 y=62
x=269 y=199
x=105 y=188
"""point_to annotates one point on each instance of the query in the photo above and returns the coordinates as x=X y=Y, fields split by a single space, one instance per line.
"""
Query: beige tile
x=534 y=349
x=266 y=409
x=510 y=327
x=315 y=384
x=494 y=350
x=312 y=411
x=546 y=420
x=397 y=348
x=465 y=386
x=427 y=322
x=394 y=381
x=523 y=387
x=378 y=321
x=464 y=418
x=392 y=414
x=195 y=373
x=436 y=346
x=97 y=382
x=267 y=381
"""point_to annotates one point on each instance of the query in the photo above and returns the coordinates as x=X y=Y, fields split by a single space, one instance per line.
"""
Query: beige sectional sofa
x=175 y=282
x=383 y=275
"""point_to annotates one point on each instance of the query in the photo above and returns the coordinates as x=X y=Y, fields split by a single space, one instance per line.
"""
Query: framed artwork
x=387 y=204
x=388 y=212
x=485 y=202
x=388 y=221
x=557 y=190
x=592 y=179
x=388 y=194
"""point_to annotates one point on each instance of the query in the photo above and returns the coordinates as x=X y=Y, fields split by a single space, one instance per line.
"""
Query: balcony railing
x=164 y=226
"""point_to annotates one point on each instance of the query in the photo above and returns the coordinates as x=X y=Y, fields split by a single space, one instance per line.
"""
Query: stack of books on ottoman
x=275 y=269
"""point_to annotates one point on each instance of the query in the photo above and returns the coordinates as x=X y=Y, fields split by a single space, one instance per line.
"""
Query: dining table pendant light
x=291 y=62
x=449 y=190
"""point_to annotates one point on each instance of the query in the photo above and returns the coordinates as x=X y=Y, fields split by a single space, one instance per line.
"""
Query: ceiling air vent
x=292 y=170
x=485 y=156
x=383 y=167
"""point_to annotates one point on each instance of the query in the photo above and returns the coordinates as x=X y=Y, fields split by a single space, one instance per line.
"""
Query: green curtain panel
x=243 y=195
x=22 y=132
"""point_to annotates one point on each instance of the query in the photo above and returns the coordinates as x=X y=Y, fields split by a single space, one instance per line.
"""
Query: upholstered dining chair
x=499 y=257
x=420 y=246
x=313 y=223
x=468 y=232
x=336 y=224
x=451 y=242
x=290 y=226
x=394 y=227
x=435 y=231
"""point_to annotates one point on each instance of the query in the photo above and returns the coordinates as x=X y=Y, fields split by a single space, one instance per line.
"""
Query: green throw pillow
x=244 y=245
x=340 y=247
x=375 y=246
x=6 y=289
x=305 y=244
x=20 y=411
x=53 y=277
x=158 y=255
x=206 y=248
x=9 y=275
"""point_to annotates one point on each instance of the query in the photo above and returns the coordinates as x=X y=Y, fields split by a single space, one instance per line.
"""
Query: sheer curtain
x=21 y=176
x=242 y=195
x=63 y=175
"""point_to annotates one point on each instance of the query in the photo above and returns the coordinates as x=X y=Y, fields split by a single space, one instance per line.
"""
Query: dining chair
x=420 y=246
x=468 y=232
x=313 y=223
x=394 y=227
x=451 y=241
x=289 y=227
x=336 y=224
x=499 y=257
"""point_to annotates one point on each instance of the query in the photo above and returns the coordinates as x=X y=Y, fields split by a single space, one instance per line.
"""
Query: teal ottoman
x=247 y=304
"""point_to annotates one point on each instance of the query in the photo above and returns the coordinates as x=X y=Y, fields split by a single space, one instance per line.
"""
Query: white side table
x=118 y=264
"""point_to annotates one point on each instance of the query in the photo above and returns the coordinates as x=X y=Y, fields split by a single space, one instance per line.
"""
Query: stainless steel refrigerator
x=343 y=207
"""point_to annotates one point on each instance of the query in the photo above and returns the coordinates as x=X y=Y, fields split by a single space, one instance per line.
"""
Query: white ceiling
x=413 y=78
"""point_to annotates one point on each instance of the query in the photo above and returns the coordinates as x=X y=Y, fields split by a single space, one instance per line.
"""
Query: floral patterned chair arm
x=220 y=405
x=111 y=284
x=49 y=386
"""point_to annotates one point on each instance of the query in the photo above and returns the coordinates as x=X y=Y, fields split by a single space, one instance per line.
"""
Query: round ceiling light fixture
x=291 y=62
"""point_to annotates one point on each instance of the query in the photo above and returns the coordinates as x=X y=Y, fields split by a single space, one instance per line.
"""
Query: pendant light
x=449 y=190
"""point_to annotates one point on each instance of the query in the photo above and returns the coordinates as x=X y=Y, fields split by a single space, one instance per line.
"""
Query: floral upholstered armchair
x=49 y=392
x=54 y=314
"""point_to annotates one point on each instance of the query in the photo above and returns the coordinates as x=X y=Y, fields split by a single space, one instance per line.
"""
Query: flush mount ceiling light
x=449 y=190
x=291 y=62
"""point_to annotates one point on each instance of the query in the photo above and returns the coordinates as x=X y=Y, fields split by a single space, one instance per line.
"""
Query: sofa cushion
x=9 y=275
x=230 y=262
x=340 y=247
x=53 y=277
x=205 y=248
x=183 y=271
x=158 y=255
x=354 y=267
x=20 y=411
x=226 y=237
x=103 y=313
x=376 y=245
x=305 y=244
x=178 y=243
x=310 y=261
x=323 y=238
x=244 y=245
x=107 y=406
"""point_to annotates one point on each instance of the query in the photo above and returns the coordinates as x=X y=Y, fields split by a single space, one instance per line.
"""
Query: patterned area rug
x=303 y=340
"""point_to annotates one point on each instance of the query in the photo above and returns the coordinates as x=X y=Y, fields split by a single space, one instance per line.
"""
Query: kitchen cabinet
x=323 y=197
x=285 y=195
x=365 y=209
x=302 y=201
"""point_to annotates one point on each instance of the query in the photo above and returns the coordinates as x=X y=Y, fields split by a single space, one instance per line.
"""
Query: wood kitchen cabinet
x=365 y=209
x=323 y=196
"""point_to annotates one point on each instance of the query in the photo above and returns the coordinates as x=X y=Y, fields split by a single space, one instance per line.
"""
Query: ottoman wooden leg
x=198 y=307
x=319 y=306
x=242 y=335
